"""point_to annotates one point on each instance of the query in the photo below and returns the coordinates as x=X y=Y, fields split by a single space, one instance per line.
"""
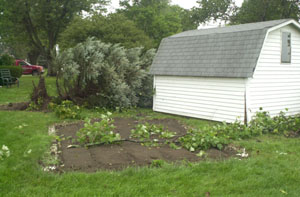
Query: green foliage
x=250 y=11
x=98 y=132
x=38 y=24
x=145 y=131
x=157 y=163
x=15 y=71
x=213 y=10
x=36 y=106
x=202 y=140
x=104 y=75
x=221 y=134
x=66 y=110
x=281 y=124
x=6 y=60
x=113 y=28
x=258 y=10
x=157 y=18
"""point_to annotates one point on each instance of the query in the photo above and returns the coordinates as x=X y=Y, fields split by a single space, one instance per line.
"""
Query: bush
x=6 y=60
x=105 y=75
x=15 y=71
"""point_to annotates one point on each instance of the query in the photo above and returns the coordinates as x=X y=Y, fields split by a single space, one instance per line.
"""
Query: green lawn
x=15 y=94
x=273 y=171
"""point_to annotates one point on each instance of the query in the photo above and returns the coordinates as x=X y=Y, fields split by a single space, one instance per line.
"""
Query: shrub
x=98 y=132
x=6 y=60
x=105 y=75
x=15 y=71
x=66 y=110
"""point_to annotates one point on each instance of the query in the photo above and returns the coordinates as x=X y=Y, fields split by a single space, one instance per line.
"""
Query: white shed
x=222 y=74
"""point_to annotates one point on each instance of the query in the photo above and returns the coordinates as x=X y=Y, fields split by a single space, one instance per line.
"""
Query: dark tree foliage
x=250 y=11
x=114 y=28
x=264 y=10
x=208 y=10
x=157 y=18
x=40 y=22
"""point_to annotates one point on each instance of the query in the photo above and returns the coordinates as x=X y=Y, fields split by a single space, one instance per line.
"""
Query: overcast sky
x=183 y=3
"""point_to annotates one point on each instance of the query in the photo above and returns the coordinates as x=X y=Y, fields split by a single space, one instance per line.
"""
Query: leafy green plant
x=219 y=135
x=202 y=140
x=174 y=146
x=145 y=131
x=35 y=106
x=157 y=163
x=98 y=132
x=66 y=110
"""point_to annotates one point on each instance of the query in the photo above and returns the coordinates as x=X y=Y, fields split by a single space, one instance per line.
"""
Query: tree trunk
x=49 y=58
x=49 y=65
x=33 y=56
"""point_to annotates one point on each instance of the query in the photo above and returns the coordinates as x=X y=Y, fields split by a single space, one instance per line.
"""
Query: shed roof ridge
x=218 y=33
x=184 y=34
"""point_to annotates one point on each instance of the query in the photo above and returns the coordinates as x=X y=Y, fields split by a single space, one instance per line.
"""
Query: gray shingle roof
x=219 y=52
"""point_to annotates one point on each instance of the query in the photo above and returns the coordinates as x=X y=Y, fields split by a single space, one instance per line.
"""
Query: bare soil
x=125 y=154
x=15 y=106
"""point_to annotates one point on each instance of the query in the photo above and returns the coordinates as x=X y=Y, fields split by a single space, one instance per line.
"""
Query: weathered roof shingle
x=219 y=52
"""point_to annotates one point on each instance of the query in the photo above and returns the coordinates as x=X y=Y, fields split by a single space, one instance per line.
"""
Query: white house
x=227 y=73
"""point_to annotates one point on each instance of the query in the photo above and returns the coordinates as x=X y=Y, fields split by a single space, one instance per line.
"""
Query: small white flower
x=29 y=151
x=4 y=147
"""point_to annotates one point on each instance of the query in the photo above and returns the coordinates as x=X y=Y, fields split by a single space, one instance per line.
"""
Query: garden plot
x=121 y=155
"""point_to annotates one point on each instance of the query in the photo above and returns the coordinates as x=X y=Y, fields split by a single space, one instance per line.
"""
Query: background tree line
x=32 y=28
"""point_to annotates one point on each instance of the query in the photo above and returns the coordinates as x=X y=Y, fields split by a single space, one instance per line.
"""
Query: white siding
x=275 y=85
x=218 y=99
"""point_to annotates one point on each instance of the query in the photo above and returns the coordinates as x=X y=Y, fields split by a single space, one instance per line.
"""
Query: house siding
x=275 y=85
x=218 y=99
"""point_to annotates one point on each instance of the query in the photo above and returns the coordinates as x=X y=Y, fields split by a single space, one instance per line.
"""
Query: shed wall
x=275 y=85
x=218 y=99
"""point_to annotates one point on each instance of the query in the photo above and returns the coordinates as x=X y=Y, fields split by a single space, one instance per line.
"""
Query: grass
x=268 y=172
x=21 y=94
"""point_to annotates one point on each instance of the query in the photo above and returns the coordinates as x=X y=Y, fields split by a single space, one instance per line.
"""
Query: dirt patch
x=293 y=134
x=125 y=154
x=15 y=106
